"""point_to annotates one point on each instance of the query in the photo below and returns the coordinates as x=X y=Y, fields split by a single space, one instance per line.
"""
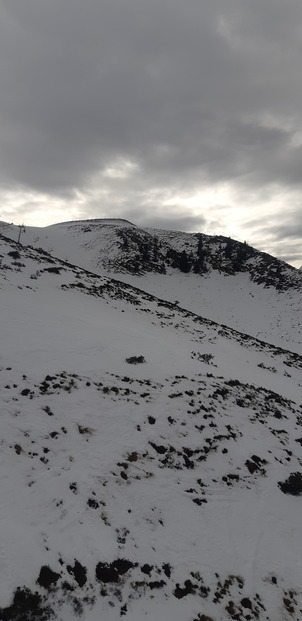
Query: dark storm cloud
x=191 y=94
x=175 y=222
x=292 y=231
x=202 y=91
x=286 y=237
x=278 y=231
x=153 y=217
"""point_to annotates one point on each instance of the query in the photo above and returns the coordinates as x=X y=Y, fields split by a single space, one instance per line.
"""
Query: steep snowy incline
x=151 y=461
x=262 y=312
x=234 y=284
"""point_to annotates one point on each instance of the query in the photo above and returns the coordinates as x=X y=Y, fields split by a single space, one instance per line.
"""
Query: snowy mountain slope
x=150 y=458
x=235 y=284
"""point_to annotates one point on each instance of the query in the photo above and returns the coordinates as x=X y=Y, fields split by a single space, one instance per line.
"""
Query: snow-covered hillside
x=216 y=277
x=151 y=460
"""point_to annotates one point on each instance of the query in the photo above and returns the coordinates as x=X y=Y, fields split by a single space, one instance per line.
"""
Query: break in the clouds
x=175 y=114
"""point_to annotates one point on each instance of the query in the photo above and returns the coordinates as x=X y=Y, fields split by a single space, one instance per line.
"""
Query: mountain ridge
x=151 y=460
x=262 y=286
x=187 y=252
x=114 y=289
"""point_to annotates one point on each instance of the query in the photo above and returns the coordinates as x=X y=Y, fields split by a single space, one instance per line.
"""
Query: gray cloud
x=286 y=231
x=194 y=93
x=175 y=219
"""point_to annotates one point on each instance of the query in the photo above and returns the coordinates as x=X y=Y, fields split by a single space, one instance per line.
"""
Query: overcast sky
x=170 y=113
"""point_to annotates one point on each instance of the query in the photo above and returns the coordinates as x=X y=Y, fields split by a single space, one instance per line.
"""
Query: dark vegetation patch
x=231 y=479
x=192 y=588
x=290 y=601
x=268 y=368
x=106 y=572
x=132 y=457
x=25 y=392
x=84 y=430
x=47 y=577
x=27 y=606
x=141 y=252
x=146 y=569
x=188 y=589
x=167 y=569
x=159 y=448
x=79 y=572
x=48 y=410
x=135 y=360
x=206 y=357
x=15 y=254
x=246 y=603
x=292 y=485
x=93 y=503
x=54 y=434
x=199 y=501
x=53 y=270
x=156 y=584
x=120 y=583
x=223 y=587
x=255 y=464
x=111 y=572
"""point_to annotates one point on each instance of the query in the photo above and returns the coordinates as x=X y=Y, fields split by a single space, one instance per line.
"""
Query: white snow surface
x=171 y=464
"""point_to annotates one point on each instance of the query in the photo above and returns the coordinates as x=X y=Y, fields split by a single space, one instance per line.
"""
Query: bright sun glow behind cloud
x=215 y=210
